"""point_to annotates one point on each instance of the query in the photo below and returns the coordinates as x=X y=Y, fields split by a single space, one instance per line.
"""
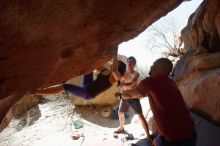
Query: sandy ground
x=52 y=123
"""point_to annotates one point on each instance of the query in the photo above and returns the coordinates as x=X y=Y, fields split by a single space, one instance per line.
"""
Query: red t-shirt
x=171 y=116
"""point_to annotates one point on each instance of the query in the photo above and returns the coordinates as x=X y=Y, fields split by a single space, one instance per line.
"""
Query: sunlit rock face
x=198 y=71
x=43 y=43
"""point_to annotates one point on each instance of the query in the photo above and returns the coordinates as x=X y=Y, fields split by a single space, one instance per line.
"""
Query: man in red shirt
x=175 y=126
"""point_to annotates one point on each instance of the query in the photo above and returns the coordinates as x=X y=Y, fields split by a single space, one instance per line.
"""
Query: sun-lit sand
x=53 y=123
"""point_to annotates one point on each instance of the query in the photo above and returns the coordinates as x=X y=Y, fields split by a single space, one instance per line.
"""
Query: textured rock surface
x=198 y=71
x=20 y=108
x=45 y=42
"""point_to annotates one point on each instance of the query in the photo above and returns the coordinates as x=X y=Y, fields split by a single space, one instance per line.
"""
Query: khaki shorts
x=134 y=103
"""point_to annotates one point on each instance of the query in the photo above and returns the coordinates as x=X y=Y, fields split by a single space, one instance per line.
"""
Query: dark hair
x=166 y=64
x=121 y=67
x=133 y=59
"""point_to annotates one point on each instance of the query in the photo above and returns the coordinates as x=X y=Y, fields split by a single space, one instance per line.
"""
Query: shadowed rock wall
x=43 y=42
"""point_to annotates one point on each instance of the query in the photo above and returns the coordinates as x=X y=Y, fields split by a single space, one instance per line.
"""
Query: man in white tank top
x=129 y=81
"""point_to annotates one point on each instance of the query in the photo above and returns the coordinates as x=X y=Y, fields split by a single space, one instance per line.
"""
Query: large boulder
x=198 y=71
x=45 y=43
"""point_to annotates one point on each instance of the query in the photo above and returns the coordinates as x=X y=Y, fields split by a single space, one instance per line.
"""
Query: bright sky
x=137 y=47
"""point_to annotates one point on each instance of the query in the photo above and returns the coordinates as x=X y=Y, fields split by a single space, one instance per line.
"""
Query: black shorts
x=134 y=103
